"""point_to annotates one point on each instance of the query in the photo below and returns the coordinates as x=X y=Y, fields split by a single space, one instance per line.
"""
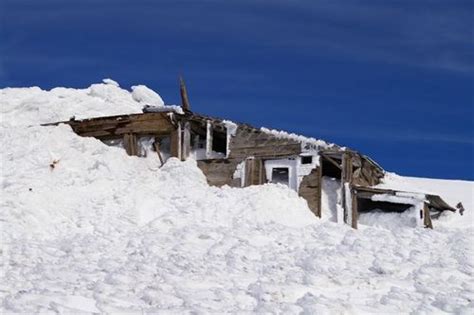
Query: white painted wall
x=290 y=163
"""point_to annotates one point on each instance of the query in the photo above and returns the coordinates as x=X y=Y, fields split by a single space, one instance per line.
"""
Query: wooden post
x=319 y=187
x=262 y=178
x=186 y=141
x=346 y=186
x=355 y=209
x=426 y=216
x=130 y=143
x=254 y=172
x=249 y=166
x=176 y=142
x=184 y=95
x=208 y=139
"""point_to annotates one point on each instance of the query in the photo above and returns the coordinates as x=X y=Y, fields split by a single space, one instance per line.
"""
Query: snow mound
x=86 y=228
x=32 y=106
x=144 y=95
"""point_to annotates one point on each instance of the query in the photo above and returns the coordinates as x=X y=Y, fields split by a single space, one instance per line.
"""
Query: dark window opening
x=306 y=159
x=331 y=170
x=367 y=205
x=219 y=141
x=280 y=175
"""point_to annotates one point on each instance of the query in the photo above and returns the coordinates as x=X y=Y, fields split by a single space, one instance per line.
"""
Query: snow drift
x=86 y=228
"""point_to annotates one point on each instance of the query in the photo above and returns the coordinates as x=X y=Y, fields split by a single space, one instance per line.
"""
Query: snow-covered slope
x=105 y=232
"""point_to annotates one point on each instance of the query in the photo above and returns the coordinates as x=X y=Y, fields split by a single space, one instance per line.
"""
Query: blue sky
x=392 y=79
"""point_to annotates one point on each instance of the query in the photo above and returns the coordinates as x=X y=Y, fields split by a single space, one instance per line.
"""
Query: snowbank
x=32 y=106
x=86 y=228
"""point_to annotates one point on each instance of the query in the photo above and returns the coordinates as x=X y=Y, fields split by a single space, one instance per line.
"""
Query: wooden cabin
x=240 y=155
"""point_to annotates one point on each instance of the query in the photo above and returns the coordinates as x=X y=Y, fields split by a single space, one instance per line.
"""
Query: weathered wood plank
x=175 y=143
x=355 y=210
x=426 y=216
x=130 y=143
x=145 y=127
x=310 y=189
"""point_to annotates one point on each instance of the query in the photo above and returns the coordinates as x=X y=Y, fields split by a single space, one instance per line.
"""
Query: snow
x=308 y=144
x=110 y=81
x=106 y=232
x=143 y=94
x=32 y=105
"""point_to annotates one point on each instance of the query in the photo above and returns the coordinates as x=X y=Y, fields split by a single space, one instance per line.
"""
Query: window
x=280 y=175
x=306 y=159
x=219 y=141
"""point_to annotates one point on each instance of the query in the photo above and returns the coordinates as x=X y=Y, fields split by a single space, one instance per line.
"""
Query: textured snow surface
x=105 y=232
x=33 y=105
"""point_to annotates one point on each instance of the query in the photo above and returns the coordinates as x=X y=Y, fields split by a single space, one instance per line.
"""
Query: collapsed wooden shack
x=240 y=155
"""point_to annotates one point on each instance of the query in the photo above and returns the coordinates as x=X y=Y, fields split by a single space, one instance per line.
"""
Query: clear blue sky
x=392 y=79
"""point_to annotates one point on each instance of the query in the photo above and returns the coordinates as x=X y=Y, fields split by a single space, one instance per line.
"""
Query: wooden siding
x=150 y=123
x=253 y=142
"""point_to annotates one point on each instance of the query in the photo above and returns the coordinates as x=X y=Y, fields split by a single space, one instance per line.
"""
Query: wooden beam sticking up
x=184 y=95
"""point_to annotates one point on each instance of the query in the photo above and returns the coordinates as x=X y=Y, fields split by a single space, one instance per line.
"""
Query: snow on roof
x=306 y=141
x=37 y=106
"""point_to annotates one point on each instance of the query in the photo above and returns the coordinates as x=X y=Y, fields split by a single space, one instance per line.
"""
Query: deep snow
x=105 y=232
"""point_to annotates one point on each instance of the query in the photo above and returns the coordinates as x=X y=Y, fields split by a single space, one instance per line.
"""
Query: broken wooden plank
x=332 y=161
x=156 y=145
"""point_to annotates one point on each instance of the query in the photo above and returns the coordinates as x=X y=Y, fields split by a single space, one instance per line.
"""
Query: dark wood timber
x=426 y=216
x=184 y=95
x=130 y=143
x=175 y=143
x=254 y=172
x=355 y=210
